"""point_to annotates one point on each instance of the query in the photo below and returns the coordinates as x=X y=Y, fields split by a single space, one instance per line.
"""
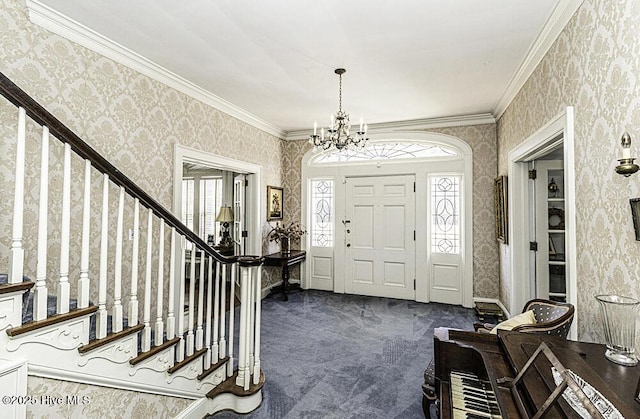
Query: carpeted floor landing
x=329 y=355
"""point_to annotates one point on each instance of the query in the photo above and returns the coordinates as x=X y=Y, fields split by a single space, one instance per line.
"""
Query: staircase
x=102 y=290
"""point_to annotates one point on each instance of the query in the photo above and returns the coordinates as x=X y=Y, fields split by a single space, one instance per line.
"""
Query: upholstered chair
x=551 y=318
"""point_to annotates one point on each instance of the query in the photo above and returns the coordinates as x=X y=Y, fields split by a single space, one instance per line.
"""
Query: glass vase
x=285 y=245
x=619 y=318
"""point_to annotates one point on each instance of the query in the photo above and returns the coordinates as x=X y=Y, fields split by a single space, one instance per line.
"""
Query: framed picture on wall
x=500 y=201
x=275 y=201
x=635 y=214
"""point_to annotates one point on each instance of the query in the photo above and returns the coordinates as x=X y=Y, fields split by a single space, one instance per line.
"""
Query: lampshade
x=225 y=215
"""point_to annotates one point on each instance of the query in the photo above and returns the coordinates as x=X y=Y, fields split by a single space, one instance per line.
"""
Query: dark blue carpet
x=329 y=355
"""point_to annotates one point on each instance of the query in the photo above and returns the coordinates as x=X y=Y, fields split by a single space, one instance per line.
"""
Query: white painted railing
x=205 y=325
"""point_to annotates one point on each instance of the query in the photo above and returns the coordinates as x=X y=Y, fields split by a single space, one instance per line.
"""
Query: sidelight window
x=322 y=229
x=445 y=213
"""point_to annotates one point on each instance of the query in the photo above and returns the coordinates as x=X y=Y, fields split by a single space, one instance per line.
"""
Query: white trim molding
x=411 y=125
x=556 y=23
x=68 y=28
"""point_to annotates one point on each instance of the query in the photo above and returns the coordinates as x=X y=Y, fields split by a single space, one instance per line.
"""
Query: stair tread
x=54 y=319
x=229 y=386
x=97 y=343
x=154 y=350
x=177 y=366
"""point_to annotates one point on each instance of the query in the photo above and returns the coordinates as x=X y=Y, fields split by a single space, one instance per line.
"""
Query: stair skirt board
x=106 y=362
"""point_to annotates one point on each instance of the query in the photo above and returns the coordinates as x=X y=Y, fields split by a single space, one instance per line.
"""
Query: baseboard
x=493 y=300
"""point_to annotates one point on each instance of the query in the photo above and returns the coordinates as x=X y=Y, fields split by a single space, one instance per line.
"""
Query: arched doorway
x=392 y=219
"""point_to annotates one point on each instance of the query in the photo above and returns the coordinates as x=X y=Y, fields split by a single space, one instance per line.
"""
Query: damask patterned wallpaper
x=482 y=139
x=99 y=402
x=133 y=121
x=594 y=66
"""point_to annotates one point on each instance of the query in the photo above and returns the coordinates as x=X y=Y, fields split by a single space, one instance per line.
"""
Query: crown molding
x=62 y=25
x=412 y=125
x=554 y=26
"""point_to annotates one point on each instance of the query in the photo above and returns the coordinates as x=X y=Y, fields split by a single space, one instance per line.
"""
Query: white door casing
x=331 y=260
x=239 y=196
x=379 y=228
x=538 y=144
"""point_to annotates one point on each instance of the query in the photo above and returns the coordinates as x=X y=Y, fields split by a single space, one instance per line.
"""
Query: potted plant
x=285 y=235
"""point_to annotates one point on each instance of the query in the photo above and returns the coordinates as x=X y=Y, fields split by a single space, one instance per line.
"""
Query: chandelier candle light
x=339 y=132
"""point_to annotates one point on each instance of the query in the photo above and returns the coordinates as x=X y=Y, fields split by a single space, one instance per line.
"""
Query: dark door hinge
x=245 y=233
x=533 y=174
x=414 y=284
x=414 y=235
x=533 y=246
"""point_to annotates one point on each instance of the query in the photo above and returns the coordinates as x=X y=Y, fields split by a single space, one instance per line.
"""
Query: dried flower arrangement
x=293 y=232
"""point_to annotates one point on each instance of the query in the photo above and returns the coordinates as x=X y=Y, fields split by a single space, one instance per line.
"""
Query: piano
x=474 y=373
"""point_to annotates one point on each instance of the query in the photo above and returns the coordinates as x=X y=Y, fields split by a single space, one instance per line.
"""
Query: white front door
x=380 y=236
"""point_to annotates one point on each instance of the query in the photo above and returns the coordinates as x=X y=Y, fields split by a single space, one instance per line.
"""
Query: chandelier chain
x=340 y=94
x=339 y=134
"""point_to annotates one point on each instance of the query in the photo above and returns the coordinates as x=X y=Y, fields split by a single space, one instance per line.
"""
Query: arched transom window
x=400 y=150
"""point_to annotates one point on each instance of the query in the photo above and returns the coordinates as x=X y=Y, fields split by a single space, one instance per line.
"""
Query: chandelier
x=339 y=132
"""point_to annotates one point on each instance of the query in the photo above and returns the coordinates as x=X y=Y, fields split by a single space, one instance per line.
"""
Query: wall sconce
x=626 y=167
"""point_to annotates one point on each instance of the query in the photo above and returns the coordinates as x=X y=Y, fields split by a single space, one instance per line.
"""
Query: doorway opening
x=393 y=219
x=239 y=181
x=542 y=234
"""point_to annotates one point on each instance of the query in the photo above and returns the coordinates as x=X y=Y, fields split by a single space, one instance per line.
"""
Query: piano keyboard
x=472 y=398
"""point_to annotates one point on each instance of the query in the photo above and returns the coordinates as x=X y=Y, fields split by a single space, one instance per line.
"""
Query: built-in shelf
x=550 y=227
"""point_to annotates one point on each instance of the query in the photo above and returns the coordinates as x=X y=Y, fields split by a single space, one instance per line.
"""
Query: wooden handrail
x=39 y=114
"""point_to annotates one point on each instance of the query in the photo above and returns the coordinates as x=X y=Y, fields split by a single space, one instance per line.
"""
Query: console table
x=284 y=261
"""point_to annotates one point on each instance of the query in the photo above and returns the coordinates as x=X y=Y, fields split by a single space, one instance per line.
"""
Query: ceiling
x=405 y=60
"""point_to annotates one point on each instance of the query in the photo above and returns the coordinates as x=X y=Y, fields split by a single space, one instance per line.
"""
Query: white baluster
x=199 y=330
x=40 y=292
x=117 y=317
x=146 y=332
x=232 y=314
x=16 y=262
x=101 y=315
x=171 y=319
x=207 y=337
x=135 y=259
x=159 y=340
x=251 y=312
x=180 y=326
x=258 y=316
x=83 y=282
x=65 y=232
x=215 y=349
x=223 y=311
x=192 y=291
x=243 y=353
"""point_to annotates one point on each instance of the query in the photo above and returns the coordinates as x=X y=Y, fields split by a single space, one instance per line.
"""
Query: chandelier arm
x=339 y=136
